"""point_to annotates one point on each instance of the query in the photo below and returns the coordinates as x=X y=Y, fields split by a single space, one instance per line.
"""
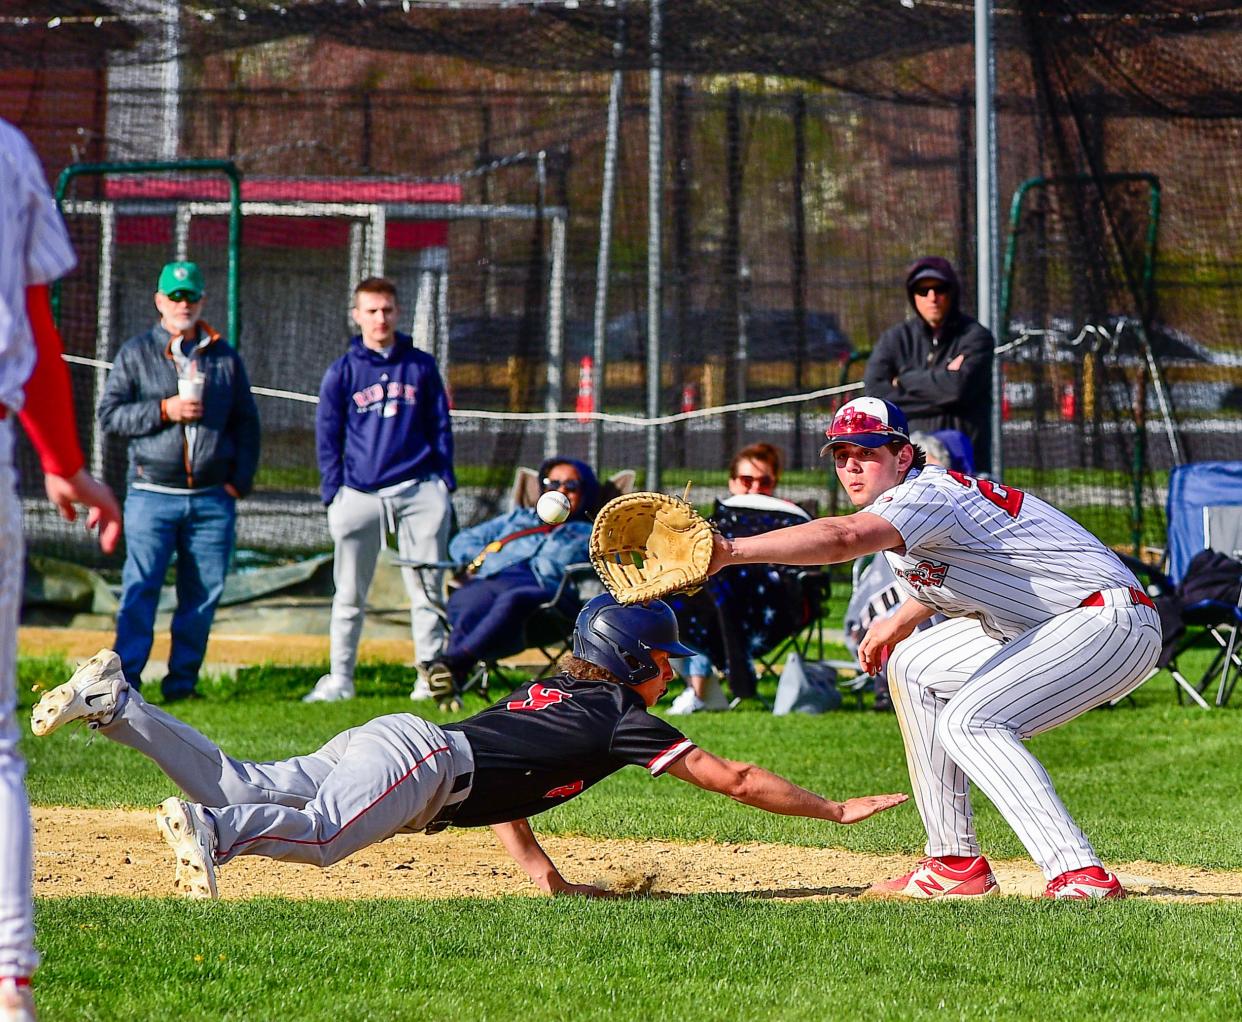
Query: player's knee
x=955 y=731
x=329 y=849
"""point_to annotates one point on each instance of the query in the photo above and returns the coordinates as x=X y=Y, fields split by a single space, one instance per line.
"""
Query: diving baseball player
x=1044 y=623
x=34 y=386
x=534 y=749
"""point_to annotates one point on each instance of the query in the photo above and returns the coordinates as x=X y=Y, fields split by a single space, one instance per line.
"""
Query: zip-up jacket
x=933 y=396
x=547 y=553
x=226 y=438
x=382 y=420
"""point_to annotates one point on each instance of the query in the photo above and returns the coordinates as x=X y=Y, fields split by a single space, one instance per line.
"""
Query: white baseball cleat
x=933 y=878
x=331 y=688
x=90 y=695
x=1079 y=885
x=193 y=841
x=16 y=1000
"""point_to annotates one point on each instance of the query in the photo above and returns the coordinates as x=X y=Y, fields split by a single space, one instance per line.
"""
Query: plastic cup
x=190 y=388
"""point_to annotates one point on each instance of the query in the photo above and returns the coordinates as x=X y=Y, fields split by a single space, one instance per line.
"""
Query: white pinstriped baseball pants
x=966 y=702
x=17 y=953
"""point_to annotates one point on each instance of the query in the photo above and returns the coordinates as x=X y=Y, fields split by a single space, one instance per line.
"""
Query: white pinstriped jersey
x=978 y=549
x=34 y=249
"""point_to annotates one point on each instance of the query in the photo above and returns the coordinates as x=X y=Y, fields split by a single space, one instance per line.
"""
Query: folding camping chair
x=1204 y=512
x=749 y=617
x=549 y=629
x=812 y=588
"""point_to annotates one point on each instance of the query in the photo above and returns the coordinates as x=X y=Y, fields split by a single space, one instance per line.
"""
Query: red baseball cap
x=867 y=422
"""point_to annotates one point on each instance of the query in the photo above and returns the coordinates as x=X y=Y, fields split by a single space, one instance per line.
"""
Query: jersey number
x=540 y=697
x=1006 y=498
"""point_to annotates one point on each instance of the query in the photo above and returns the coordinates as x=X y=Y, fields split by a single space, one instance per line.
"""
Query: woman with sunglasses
x=733 y=618
x=513 y=564
x=937 y=365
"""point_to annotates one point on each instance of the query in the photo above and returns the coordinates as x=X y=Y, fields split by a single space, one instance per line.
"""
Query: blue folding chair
x=1205 y=513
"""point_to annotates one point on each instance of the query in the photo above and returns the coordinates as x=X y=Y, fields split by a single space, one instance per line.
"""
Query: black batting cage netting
x=492 y=159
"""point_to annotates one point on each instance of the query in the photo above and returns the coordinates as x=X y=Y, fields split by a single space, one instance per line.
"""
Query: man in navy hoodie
x=385 y=447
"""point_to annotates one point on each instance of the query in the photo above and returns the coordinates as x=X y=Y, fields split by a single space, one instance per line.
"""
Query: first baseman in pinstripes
x=34 y=386
x=1045 y=623
x=536 y=748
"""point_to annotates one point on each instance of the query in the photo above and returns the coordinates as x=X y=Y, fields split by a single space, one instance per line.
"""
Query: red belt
x=4 y=412
x=1137 y=597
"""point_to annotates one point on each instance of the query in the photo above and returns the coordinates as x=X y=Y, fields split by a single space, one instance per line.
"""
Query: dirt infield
x=101 y=851
x=227 y=651
x=80 y=643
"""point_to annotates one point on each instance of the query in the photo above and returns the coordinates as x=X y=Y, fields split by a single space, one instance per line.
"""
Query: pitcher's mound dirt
x=104 y=851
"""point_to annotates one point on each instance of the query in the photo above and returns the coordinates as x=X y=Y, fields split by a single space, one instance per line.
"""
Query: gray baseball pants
x=966 y=703
x=394 y=773
x=358 y=522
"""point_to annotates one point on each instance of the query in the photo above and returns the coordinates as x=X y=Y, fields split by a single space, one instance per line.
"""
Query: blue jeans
x=700 y=664
x=199 y=529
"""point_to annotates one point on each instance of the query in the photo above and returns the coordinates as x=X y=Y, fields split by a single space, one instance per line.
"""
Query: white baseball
x=553 y=507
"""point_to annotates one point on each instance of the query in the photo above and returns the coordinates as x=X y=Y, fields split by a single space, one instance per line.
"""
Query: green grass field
x=1147 y=781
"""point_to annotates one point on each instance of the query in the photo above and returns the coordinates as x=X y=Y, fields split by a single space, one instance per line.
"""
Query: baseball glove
x=648 y=545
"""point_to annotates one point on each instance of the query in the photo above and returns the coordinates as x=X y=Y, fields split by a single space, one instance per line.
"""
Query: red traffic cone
x=689 y=397
x=586 y=389
x=1069 y=401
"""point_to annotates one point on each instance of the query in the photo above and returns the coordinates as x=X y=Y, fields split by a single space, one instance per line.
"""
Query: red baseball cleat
x=932 y=878
x=1082 y=886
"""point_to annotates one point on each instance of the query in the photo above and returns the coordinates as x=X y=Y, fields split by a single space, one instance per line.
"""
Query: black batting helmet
x=620 y=638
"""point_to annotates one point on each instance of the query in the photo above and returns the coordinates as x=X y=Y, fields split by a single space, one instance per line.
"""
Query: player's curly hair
x=584 y=670
x=920 y=455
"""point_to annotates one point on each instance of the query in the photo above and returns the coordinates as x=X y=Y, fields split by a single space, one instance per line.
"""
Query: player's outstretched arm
x=754 y=786
x=823 y=541
x=519 y=841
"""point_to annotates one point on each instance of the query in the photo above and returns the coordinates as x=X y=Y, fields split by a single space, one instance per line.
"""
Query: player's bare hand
x=179 y=409
x=956 y=363
x=855 y=809
x=104 y=513
x=721 y=554
x=884 y=634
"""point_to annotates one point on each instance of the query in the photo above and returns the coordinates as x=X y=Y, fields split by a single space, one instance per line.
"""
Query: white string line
x=629 y=420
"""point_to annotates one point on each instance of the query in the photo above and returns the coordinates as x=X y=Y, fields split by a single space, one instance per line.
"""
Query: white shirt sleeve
x=49 y=255
x=923 y=513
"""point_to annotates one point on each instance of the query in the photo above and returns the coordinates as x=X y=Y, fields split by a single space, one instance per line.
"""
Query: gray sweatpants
x=358 y=522
x=391 y=774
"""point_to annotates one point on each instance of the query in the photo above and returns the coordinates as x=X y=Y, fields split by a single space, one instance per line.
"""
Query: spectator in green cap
x=180 y=395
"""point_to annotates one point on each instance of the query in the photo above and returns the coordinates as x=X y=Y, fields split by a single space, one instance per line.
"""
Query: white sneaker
x=90 y=695
x=686 y=704
x=331 y=688
x=421 y=689
x=16 y=1001
x=193 y=841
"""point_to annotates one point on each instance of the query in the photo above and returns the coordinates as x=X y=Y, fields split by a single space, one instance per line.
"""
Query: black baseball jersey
x=551 y=740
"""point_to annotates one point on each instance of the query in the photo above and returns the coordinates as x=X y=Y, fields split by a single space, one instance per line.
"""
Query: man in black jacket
x=180 y=393
x=937 y=365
